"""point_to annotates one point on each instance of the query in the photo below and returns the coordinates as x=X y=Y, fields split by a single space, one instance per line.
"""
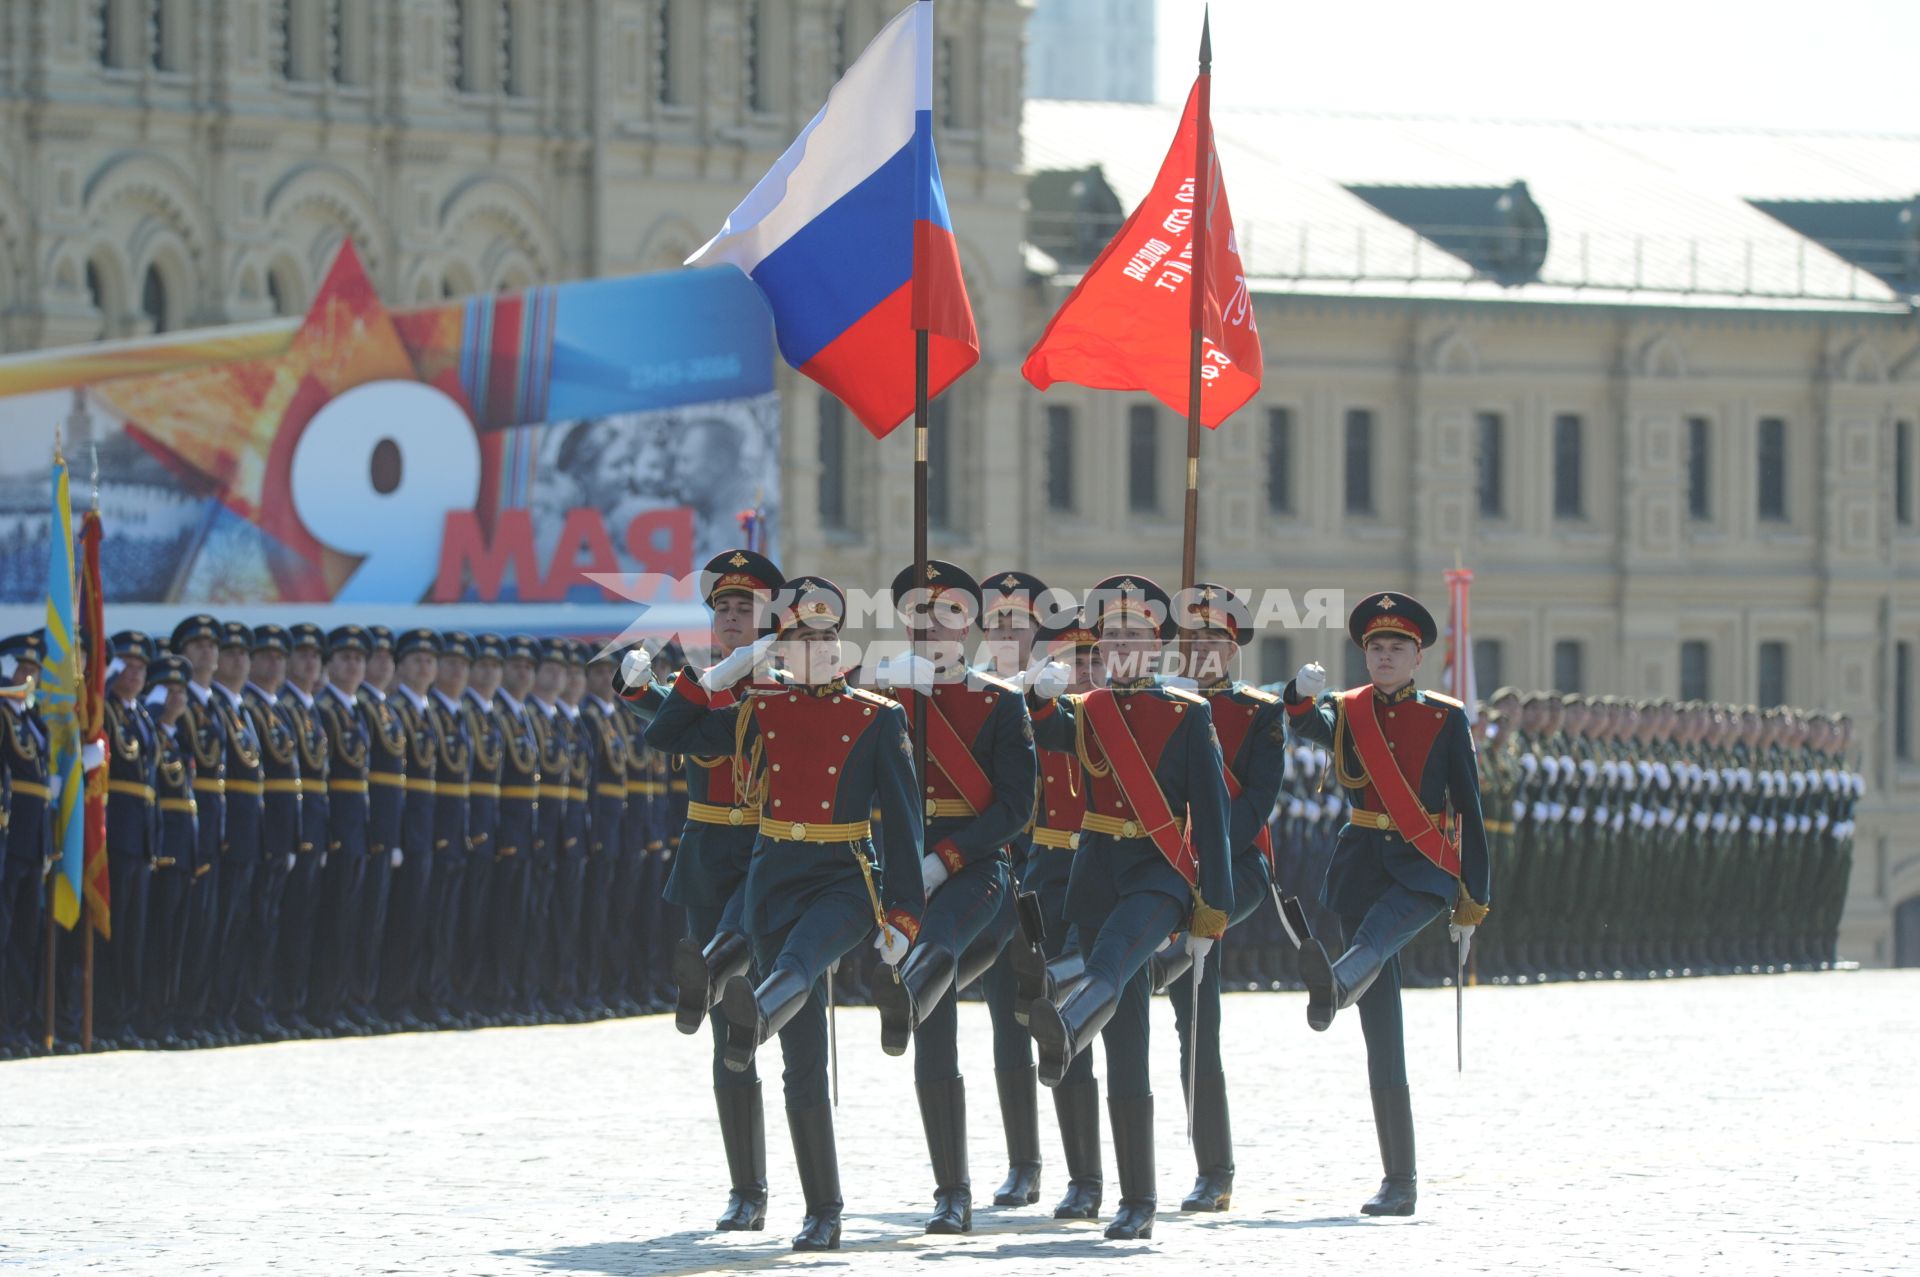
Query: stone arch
x=145 y=190
x=668 y=243
x=1660 y=356
x=1453 y=353
x=81 y=270
x=1860 y=362
x=164 y=281
x=14 y=264
x=315 y=206
x=489 y=220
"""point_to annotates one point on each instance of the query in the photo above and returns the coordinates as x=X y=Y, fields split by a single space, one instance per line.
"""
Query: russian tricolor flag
x=849 y=239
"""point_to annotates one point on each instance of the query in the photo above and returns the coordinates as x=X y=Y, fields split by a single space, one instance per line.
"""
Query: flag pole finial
x=1206 y=40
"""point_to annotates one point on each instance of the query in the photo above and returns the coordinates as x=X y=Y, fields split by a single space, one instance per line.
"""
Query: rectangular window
x=1276 y=658
x=1489 y=460
x=1772 y=456
x=1143 y=458
x=1569 y=501
x=1699 y=468
x=1280 y=460
x=940 y=511
x=1903 y=701
x=1489 y=666
x=1773 y=675
x=666 y=84
x=1694 y=672
x=756 y=59
x=1356 y=666
x=1060 y=458
x=833 y=462
x=1903 y=473
x=1569 y=655
x=1359 y=445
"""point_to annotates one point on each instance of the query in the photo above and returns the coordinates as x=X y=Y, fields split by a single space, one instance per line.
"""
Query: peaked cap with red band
x=1134 y=596
x=739 y=572
x=1391 y=612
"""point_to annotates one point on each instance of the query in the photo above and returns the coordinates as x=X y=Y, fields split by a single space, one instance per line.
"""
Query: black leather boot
x=743 y=1130
x=819 y=1166
x=1078 y=1109
x=977 y=960
x=1133 y=1154
x=1035 y=979
x=925 y=977
x=1335 y=986
x=1393 y=1122
x=1169 y=964
x=1062 y=1032
x=1212 y=1146
x=754 y=1015
x=701 y=974
x=943 y=1112
x=1020 y=1117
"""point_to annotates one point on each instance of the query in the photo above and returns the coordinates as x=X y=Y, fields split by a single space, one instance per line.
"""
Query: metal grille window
x=1143 y=459
x=1280 y=460
x=1773 y=674
x=1771 y=449
x=1489 y=460
x=1699 y=468
x=1060 y=458
x=1569 y=501
x=1569 y=659
x=1695 y=681
x=1489 y=665
x=1359 y=458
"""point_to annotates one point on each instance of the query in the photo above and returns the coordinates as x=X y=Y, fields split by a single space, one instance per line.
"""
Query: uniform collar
x=446 y=700
x=1394 y=698
x=338 y=695
x=1216 y=689
x=513 y=707
x=606 y=707
x=543 y=706
x=414 y=698
x=379 y=696
x=832 y=687
x=301 y=692
x=199 y=692
x=1145 y=684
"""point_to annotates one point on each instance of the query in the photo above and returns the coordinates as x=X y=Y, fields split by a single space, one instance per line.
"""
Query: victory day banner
x=544 y=448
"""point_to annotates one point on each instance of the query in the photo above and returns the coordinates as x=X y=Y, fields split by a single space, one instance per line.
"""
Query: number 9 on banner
x=374 y=475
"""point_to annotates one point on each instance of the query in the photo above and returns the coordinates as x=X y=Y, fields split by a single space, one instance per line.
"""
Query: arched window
x=97 y=298
x=153 y=301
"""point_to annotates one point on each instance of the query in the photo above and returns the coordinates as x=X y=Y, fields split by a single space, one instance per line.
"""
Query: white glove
x=1332 y=803
x=1773 y=827
x=1766 y=782
x=1540 y=812
x=1587 y=768
x=1662 y=775
x=1559 y=811
x=1458 y=933
x=1700 y=822
x=736 y=664
x=636 y=667
x=1296 y=809
x=56 y=782
x=1529 y=764
x=1577 y=814
x=1198 y=947
x=908 y=669
x=1519 y=811
x=1050 y=680
x=1619 y=819
x=1666 y=817
x=892 y=944
x=933 y=874
x=289 y=862
x=1610 y=770
x=1821 y=820
x=394 y=857
x=92 y=754
x=1309 y=681
x=1552 y=766
x=1719 y=822
x=1753 y=824
x=1634 y=811
x=1599 y=815
x=1859 y=785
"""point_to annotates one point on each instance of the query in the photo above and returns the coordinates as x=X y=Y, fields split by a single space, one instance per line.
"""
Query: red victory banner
x=1128 y=324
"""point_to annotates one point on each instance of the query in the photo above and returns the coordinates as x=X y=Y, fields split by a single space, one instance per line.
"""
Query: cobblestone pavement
x=1752 y=1125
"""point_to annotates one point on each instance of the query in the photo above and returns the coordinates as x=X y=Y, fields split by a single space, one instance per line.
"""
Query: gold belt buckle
x=1129 y=829
x=799 y=830
x=932 y=805
x=734 y=815
x=1073 y=840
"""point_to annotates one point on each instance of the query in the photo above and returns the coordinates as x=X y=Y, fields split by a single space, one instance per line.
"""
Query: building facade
x=1664 y=490
x=1091 y=50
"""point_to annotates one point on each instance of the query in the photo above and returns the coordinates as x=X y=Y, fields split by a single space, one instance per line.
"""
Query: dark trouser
x=701 y=924
x=264 y=935
x=448 y=892
x=162 y=948
x=199 y=947
x=294 y=954
x=956 y=915
x=569 y=890
x=507 y=888
x=403 y=955
x=1137 y=925
x=831 y=926
x=626 y=875
x=1012 y=1045
x=596 y=922
x=473 y=936
x=1249 y=893
x=20 y=907
x=376 y=894
x=120 y=961
x=239 y=869
x=536 y=971
x=650 y=940
x=1395 y=918
x=338 y=924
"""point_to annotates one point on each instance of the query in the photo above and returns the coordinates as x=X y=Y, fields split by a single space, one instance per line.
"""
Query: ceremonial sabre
x=833 y=1033
x=1460 y=1004
x=1193 y=1036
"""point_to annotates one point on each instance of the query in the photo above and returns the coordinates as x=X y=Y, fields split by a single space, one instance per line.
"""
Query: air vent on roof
x=1497 y=230
x=1881 y=237
x=1071 y=214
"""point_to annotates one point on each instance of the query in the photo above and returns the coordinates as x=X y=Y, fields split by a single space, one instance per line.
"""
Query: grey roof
x=1643 y=215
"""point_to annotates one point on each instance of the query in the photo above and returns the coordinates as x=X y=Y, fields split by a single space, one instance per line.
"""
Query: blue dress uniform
x=1385 y=889
x=823 y=757
x=627 y=971
x=387 y=746
x=472 y=998
x=280 y=838
x=549 y=837
x=708 y=881
x=133 y=833
x=341 y=923
x=978 y=791
x=240 y=845
x=603 y=931
x=1252 y=731
x=29 y=844
x=514 y=850
x=204 y=729
x=173 y=867
x=1125 y=895
x=300 y=907
x=404 y=954
x=452 y=841
x=570 y=865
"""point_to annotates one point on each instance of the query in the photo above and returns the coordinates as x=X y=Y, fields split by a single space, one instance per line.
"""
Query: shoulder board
x=1181 y=693
x=993 y=680
x=871 y=697
x=1253 y=693
x=1444 y=700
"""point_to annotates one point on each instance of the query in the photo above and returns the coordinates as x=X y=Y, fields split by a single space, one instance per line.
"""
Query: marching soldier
x=472 y=948
x=408 y=941
x=550 y=826
x=821 y=756
x=205 y=728
x=1406 y=761
x=1153 y=772
x=454 y=842
x=299 y=909
x=604 y=931
x=345 y=898
x=979 y=797
x=386 y=824
x=132 y=840
x=25 y=840
x=514 y=858
x=175 y=852
x=240 y=844
x=283 y=789
x=1252 y=734
x=570 y=865
x=709 y=873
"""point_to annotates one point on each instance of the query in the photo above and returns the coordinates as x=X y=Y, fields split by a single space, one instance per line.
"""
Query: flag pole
x=1196 y=314
x=922 y=315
